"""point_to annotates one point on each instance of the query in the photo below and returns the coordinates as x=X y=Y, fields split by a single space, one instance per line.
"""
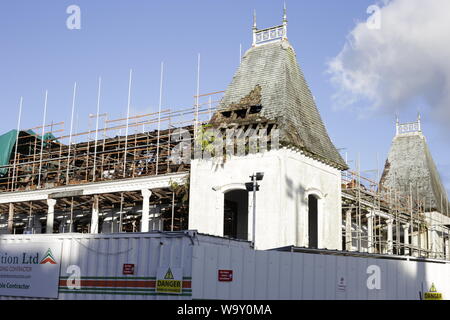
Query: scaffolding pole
x=126 y=130
x=42 y=139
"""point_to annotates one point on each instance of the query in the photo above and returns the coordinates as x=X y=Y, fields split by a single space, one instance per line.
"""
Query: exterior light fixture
x=254 y=186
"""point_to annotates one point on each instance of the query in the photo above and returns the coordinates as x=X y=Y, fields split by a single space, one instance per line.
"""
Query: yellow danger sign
x=432 y=294
x=169 y=281
x=169 y=275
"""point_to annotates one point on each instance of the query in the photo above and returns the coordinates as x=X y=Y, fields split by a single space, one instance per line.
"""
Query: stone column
x=50 y=215
x=406 y=238
x=447 y=248
x=146 y=194
x=430 y=246
x=11 y=218
x=94 y=217
x=390 y=243
x=348 y=230
x=370 y=241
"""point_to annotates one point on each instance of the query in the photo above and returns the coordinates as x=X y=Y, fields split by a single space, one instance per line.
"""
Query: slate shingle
x=410 y=163
x=285 y=98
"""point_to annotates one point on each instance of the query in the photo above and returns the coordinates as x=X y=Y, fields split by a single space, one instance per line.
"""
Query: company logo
x=48 y=258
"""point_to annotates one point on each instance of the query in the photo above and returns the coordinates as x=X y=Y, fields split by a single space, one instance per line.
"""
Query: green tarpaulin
x=7 y=143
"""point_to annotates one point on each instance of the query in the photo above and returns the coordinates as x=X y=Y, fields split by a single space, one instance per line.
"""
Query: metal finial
x=284 y=22
x=254 y=19
x=397 y=125
x=419 y=125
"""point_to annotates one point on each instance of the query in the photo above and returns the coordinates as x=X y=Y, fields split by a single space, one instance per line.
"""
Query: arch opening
x=313 y=223
x=235 y=224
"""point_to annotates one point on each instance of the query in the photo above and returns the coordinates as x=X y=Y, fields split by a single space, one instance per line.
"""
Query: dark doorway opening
x=313 y=226
x=235 y=224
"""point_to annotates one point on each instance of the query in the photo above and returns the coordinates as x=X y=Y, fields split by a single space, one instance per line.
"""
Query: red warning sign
x=225 y=275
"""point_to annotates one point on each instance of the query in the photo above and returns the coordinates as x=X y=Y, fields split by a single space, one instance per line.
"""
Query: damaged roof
x=270 y=78
x=410 y=169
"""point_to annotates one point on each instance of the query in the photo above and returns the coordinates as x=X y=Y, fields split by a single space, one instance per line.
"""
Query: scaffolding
x=105 y=154
x=380 y=220
x=376 y=220
x=115 y=149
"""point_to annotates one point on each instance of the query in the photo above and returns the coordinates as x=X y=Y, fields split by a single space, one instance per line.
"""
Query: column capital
x=51 y=202
x=371 y=214
x=390 y=221
x=405 y=226
x=146 y=193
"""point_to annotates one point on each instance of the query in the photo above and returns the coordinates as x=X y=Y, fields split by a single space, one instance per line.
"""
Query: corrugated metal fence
x=270 y=275
x=101 y=258
x=251 y=274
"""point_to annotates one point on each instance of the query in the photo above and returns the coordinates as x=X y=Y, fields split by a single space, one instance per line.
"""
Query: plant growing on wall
x=205 y=138
x=180 y=190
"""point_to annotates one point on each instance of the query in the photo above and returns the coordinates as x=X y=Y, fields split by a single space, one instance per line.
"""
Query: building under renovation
x=137 y=174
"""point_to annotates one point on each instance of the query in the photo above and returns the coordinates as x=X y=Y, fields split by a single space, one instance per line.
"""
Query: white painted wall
x=282 y=202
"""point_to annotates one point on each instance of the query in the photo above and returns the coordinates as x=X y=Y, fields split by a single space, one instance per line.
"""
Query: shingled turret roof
x=270 y=80
x=410 y=169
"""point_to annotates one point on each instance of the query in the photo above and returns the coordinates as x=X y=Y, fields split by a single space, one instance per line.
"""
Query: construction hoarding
x=188 y=265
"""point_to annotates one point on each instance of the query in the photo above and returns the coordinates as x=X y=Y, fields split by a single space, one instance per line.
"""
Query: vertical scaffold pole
x=210 y=108
x=17 y=143
x=71 y=217
x=197 y=97
x=42 y=139
x=71 y=132
x=96 y=128
x=173 y=211
x=126 y=130
x=159 y=115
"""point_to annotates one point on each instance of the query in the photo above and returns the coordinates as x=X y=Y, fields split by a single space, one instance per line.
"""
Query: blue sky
x=38 y=52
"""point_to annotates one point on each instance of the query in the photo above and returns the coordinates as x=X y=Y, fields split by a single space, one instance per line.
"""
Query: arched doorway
x=313 y=221
x=235 y=224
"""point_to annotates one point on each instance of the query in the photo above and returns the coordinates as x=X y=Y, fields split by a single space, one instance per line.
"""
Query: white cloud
x=405 y=61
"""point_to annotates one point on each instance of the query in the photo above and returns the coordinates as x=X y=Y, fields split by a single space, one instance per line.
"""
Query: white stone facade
x=281 y=204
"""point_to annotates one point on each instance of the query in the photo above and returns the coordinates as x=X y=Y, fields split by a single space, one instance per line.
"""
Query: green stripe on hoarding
x=127 y=293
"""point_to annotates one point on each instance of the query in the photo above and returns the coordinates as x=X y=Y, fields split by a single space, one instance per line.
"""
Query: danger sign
x=432 y=294
x=169 y=280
